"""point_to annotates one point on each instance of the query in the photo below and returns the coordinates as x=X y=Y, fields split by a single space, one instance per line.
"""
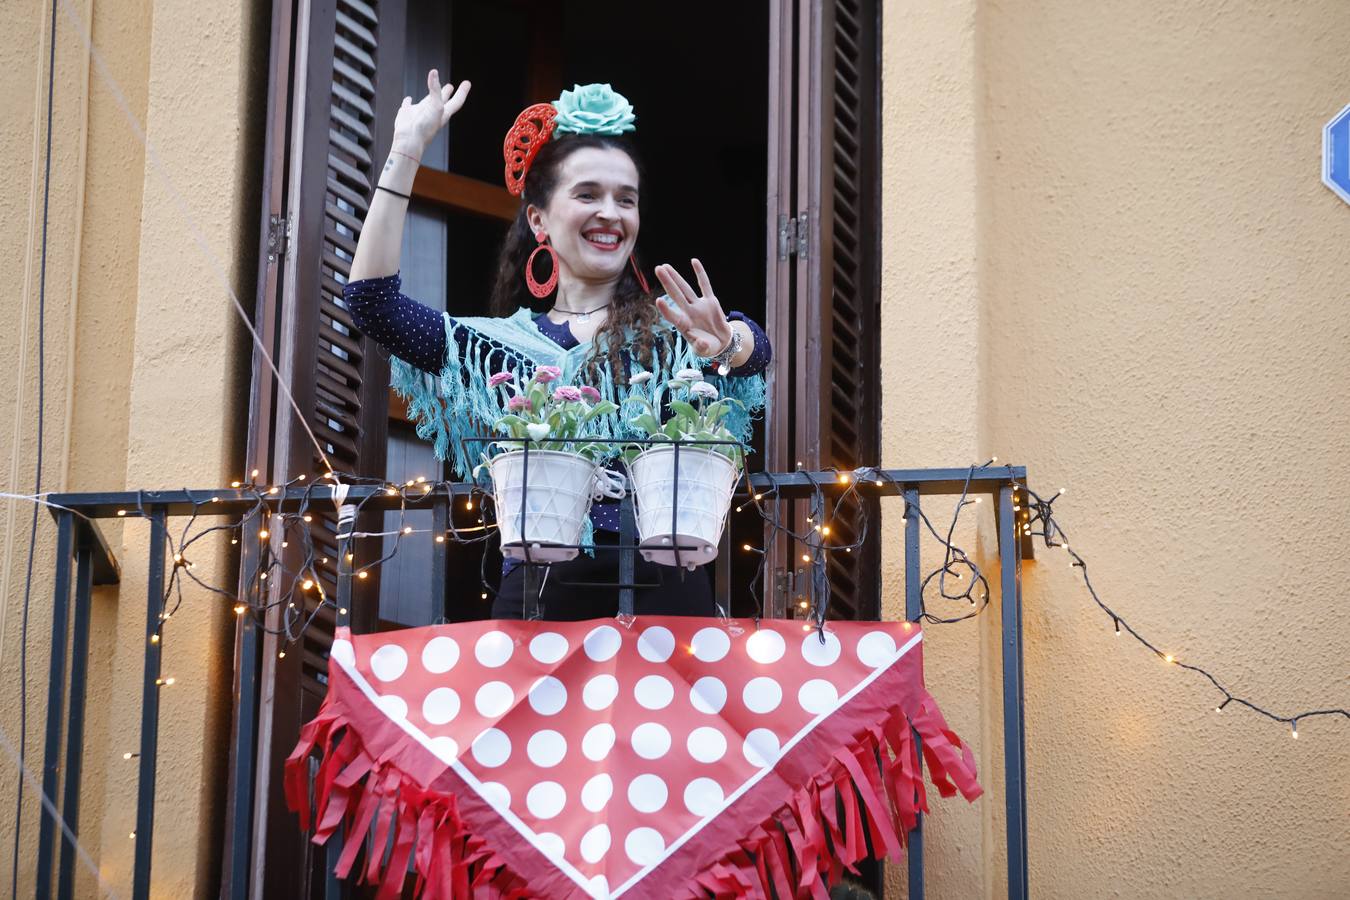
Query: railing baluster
x=79 y=669
x=913 y=608
x=145 y=799
x=440 y=524
x=1014 y=725
x=627 y=555
x=56 y=687
x=248 y=640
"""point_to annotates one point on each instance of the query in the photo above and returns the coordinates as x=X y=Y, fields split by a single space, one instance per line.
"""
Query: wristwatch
x=723 y=359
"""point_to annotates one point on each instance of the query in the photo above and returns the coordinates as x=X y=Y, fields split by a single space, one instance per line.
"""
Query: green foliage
x=697 y=413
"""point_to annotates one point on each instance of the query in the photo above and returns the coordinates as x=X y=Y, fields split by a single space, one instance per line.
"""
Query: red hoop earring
x=537 y=289
x=642 y=279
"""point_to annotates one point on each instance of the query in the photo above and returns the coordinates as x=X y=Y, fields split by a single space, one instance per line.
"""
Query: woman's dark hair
x=632 y=308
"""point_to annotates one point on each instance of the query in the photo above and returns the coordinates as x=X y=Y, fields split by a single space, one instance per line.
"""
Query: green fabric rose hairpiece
x=586 y=109
x=593 y=109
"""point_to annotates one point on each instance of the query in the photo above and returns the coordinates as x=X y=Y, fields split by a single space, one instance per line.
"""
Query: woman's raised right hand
x=416 y=124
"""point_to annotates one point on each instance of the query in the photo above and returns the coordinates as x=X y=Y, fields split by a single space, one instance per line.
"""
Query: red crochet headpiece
x=532 y=129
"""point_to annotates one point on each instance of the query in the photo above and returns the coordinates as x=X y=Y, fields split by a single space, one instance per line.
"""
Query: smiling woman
x=569 y=292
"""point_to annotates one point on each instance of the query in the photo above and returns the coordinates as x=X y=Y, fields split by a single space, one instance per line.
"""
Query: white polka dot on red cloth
x=546 y=799
x=644 y=846
x=656 y=644
x=762 y=695
x=600 y=692
x=708 y=695
x=548 y=696
x=595 y=844
x=446 y=748
x=650 y=740
x=440 y=655
x=819 y=653
x=548 y=647
x=703 y=797
x=493 y=649
x=876 y=648
x=817 y=696
x=760 y=747
x=598 y=741
x=602 y=643
x=389 y=662
x=706 y=745
x=496 y=794
x=710 y=644
x=394 y=707
x=494 y=699
x=343 y=652
x=491 y=748
x=765 y=646
x=595 y=793
x=551 y=844
x=440 y=706
x=546 y=748
x=647 y=793
x=653 y=692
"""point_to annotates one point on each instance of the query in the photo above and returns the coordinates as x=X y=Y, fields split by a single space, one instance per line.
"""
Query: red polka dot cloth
x=668 y=757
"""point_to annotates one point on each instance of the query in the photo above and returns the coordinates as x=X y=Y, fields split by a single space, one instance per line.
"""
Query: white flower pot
x=705 y=485
x=561 y=487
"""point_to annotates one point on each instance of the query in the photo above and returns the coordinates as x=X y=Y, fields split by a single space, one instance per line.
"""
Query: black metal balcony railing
x=80 y=540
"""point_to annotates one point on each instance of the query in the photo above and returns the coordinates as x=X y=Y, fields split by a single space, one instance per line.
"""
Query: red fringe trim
x=871 y=788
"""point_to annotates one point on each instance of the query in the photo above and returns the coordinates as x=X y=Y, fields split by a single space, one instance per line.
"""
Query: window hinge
x=792 y=235
x=279 y=232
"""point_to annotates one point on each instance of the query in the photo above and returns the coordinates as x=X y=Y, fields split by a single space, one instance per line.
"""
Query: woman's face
x=592 y=218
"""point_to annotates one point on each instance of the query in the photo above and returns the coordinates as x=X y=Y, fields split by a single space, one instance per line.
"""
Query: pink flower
x=590 y=393
x=567 y=394
x=545 y=374
x=501 y=378
x=518 y=402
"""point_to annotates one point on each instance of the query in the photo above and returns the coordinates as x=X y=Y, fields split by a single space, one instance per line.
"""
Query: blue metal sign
x=1336 y=154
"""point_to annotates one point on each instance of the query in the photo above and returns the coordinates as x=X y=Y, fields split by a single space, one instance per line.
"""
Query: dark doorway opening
x=697 y=76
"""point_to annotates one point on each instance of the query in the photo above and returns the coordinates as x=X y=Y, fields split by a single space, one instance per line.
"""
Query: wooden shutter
x=335 y=83
x=824 y=249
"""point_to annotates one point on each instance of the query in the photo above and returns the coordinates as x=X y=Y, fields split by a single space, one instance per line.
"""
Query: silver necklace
x=582 y=315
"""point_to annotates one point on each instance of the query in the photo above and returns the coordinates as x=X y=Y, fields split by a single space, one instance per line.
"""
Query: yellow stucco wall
x=140 y=384
x=1109 y=257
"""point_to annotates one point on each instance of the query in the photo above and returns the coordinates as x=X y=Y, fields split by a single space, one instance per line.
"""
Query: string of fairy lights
x=296 y=588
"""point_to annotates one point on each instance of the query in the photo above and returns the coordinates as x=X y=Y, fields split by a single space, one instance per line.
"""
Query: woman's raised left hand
x=698 y=317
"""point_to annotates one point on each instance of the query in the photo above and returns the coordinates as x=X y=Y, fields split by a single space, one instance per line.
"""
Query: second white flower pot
x=703 y=496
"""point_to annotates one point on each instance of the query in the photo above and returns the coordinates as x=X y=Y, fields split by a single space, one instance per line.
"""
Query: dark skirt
x=664 y=590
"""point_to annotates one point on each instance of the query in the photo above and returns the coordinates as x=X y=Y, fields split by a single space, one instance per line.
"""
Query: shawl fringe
x=862 y=804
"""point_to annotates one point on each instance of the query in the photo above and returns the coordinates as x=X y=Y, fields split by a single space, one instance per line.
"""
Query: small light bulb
x=362 y=574
x=121 y=512
x=154 y=639
x=264 y=534
x=1169 y=659
x=440 y=539
x=825 y=530
x=285 y=544
x=235 y=484
x=307 y=585
x=979 y=499
x=880 y=483
x=215 y=499
x=468 y=504
x=281 y=655
x=234 y=540
x=132 y=835
x=802 y=605
x=274 y=490
x=240 y=609
x=391 y=491
x=843 y=478
x=342 y=610
x=1293 y=733
x=759 y=496
x=746 y=547
x=263 y=576
x=421 y=478
x=169 y=681
x=407 y=529
x=128 y=755
x=350 y=557
x=484 y=595
x=255 y=474
x=309 y=518
x=805 y=558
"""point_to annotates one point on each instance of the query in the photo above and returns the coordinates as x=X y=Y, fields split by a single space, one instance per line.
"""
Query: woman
x=581 y=189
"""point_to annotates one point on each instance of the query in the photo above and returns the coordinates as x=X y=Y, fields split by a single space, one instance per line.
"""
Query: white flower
x=538 y=430
x=640 y=378
x=703 y=389
x=689 y=374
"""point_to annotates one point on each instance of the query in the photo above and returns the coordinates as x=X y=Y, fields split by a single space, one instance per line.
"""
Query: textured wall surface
x=1109 y=257
x=139 y=391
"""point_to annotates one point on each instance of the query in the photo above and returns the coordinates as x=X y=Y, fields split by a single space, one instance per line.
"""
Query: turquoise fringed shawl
x=458 y=403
